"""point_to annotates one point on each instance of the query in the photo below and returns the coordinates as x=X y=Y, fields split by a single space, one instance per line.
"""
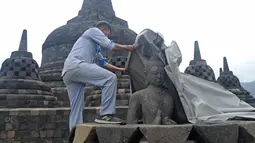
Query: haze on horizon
x=222 y=28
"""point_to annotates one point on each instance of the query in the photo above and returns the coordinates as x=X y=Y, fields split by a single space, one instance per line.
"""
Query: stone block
x=11 y=134
x=50 y=125
x=115 y=133
x=215 y=133
x=8 y=119
x=58 y=133
x=50 y=133
x=166 y=133
x=8 y=126
x=42 y=134
x=34 y=112
x=189 y=141
x=41 y=124
x=35 y=134
x=246 y=132
x=3 y=134
x=85 y=133
x=22 y=134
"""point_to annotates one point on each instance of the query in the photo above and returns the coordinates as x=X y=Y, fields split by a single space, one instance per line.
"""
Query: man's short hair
x=103 y=23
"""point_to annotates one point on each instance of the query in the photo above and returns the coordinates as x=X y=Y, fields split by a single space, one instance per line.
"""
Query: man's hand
x=122 y=69
x=130 y=47
x=114 y=68
x=119 y=47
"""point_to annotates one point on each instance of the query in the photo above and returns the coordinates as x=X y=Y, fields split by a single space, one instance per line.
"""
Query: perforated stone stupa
x=231 y=82
x=198 y=67
x=20 y=83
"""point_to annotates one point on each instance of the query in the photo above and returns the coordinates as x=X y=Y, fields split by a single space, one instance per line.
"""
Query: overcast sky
x=222 y=28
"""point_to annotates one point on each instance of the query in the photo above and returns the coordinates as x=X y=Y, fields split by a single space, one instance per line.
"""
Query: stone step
x=55 y=84
x=118 y=91
x=88 y=91
x=50 y=70
x=96 y=103
x=125 y=85
x=23 y=84
x=123 y=96
x=54 y=76
x=27 y=103
x=10 y=97
x=24 y=91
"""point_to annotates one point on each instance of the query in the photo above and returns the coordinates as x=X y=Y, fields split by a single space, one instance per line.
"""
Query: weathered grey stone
x=198 y=67
x=115 y=133
x=20 y=83
x=231 y=82
x=166 y=133
x=246 y=132
x=189 y=141
x=216 y=133
x=85 y=133
x=151 y=101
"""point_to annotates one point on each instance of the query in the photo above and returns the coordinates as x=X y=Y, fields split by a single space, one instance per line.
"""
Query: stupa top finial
x=197 y=55
x=23 y=41
x=225 y=65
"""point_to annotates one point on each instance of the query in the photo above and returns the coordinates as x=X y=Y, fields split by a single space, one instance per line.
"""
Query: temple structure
x=34 y=105
x=58 y=44
x=228 y=80
x=20 y=82
x=198 y=67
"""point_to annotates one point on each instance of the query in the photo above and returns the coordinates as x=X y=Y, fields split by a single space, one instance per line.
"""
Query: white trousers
x=75 y=81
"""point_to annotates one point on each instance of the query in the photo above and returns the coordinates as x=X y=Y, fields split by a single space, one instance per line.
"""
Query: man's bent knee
x=113 y=77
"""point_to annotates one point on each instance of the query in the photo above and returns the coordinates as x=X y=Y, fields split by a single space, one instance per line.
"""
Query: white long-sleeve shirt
x=85 y=49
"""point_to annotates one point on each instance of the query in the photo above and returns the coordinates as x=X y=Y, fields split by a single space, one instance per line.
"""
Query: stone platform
x=50 y=125
x=230 y=132
x=42 y=125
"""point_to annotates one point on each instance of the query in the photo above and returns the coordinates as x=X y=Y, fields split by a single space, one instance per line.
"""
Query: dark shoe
x=71 y=136
x=108 y=119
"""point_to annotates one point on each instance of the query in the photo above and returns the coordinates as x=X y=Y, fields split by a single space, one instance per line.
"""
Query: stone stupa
x=198 y=67
x=231 y=82
x=59 y=42
x=20 y=82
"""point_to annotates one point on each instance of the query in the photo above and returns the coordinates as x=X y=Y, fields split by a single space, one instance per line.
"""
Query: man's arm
x=119 y=47
x=113 y=68
x=103 y=63
x=98 y=36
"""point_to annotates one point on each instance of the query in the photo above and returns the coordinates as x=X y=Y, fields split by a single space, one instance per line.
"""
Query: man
x=86 y=65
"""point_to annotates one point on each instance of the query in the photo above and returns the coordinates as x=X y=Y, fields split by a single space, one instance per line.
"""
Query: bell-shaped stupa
x=20 y=82
x=231 y=82
x=198 y=67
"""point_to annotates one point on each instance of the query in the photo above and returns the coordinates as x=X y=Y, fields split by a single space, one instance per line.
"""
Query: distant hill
x=250 y=86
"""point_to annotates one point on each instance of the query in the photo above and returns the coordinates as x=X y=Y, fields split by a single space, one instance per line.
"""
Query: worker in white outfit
x=86 y=65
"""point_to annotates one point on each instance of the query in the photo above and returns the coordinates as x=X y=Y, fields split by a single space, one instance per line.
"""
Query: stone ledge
x=92 y=132
x=228 y=132
x=53 y=109
x=42 y=125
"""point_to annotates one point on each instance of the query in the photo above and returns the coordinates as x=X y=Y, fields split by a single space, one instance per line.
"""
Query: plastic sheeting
x=148 y=45
x=203 y=100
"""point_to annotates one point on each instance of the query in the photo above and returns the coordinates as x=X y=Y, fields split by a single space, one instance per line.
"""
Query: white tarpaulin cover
x=202 y=99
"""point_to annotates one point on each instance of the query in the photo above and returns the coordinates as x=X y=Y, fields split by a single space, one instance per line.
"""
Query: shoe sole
x=106 y=122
